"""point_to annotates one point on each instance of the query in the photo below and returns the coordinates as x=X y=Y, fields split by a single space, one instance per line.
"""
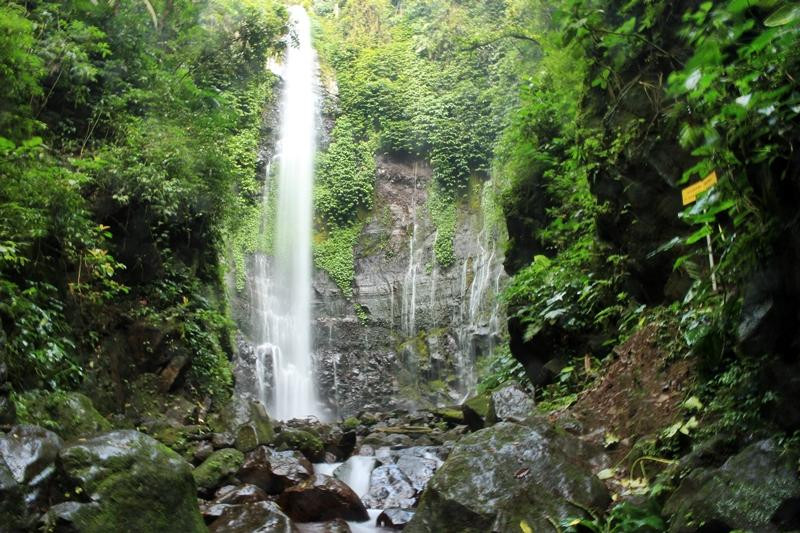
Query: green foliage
x=128 y=134
x=500 y=367
x=624 y=517
x=345 y=177
x=180 y=305
x=334 y=254
x=405 y=80
x=444 y=214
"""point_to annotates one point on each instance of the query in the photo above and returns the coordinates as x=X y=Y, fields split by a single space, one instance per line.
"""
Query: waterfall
x=408 y=319
x=480 y=308
x=282 y=299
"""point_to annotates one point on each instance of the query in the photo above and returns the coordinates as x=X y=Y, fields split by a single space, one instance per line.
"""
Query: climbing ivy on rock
x=345 y=177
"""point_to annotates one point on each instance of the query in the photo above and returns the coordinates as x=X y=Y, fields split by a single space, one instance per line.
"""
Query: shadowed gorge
x=374 y=265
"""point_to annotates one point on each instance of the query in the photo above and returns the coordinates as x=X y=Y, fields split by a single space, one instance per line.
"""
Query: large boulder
x=256 y=431
x=499 y=476
x=756 y=490
x=257 y=517
x=214 y=471
x=274 y=471
x=510 y=404
x=390 y=487
x=130 y=482
x=321 y=498
x=418 y=469
x=27 y=464
x=394 y=518
x=303 y=441
x=70 y=414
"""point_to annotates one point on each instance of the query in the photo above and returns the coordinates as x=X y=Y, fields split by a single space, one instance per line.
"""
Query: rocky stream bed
x=492 y=464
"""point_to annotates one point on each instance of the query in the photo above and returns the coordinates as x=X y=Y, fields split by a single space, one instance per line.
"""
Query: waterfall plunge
x=282 y=299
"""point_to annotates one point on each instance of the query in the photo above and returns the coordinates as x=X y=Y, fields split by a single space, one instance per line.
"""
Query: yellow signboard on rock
x=689 y=194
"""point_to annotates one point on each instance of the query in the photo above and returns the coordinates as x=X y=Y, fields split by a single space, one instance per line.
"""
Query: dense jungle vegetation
x=129 y=136
x=130 y=191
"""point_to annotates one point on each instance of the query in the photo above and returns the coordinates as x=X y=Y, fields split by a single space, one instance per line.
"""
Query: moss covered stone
x=351 y=423
x=256 y=431
x=70 y=414
x=303 y=441
x=499 y=476
x=219 y=466
x=755 y=490
x=475 y=410
x=450 y=415
x=135 y=484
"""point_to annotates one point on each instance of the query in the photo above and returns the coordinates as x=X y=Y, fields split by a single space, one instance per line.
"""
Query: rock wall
x=413 y=332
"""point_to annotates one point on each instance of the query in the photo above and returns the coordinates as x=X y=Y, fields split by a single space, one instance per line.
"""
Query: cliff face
x=413 y=330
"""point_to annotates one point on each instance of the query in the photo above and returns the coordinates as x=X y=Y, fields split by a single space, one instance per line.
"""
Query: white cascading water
x=282 y=298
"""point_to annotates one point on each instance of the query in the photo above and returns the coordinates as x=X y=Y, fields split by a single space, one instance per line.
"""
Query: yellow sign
x=689 y=194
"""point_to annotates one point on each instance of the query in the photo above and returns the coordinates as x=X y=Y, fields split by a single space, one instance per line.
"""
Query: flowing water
x=355 y=473
x=282 y=299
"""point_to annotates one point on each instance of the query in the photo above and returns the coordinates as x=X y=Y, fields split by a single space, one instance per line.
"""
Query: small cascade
x=336 y=381
x=432 y=308
x=282 y=283
x=356 y=473
x=408 y=320
x=480 y=307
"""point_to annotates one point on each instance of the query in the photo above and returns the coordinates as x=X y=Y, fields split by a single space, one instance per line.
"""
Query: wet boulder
x=257 y=517
x=212 y=510
x=13 y=511
x=390 y=487
x=27 y=467
x=239 y=494
x=30 y=453
x=131 y=482
x=510 y=404
x=501 y=475
x=274 y=471
x=219 y=467
x=756 y=490
x=230 y=496
x=394 y=518
x=418 y=469
x=320 y=498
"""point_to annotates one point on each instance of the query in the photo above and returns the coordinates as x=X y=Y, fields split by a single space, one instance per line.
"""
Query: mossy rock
x=305 y=442
x=475 y=410
x=70 y=414
x=176 y=437
x=135 y=483
x=756 y=490
x=450 y=415
x=256 y=431
x=498 y=477
x=351 y=423
x=253 y=434
x=217 y=468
